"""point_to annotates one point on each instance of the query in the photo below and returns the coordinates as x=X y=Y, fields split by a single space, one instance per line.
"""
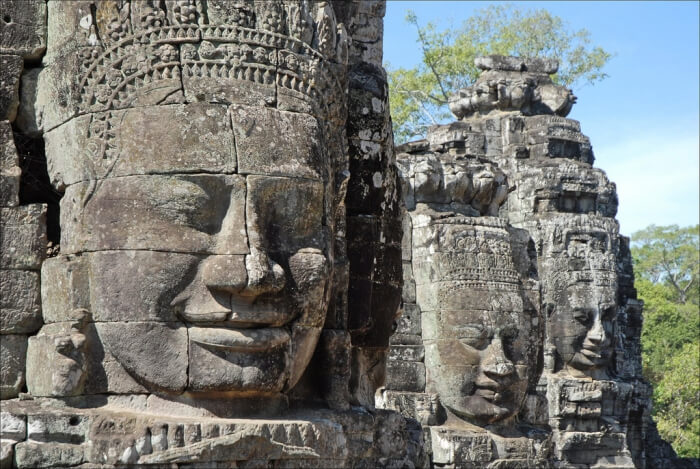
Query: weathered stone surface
x=23 y=28
x=278 y=143
x=180 y=212
x=12 y=427
x=556 y=248
x=26 y=120
x=60 y=347
x=211 y=264
x=197 y=138
x=22 y=236
x=406 y=375
x=10 y=171
x=20 y=302
x=65 y=289
x=517 y=64
x=7 y=453
x=513 y=84
x=109 y=437
x=10 y=71
x=30 y=454
x=13 y=350
x=204 y=155
x=216 y=363
x=153 y=352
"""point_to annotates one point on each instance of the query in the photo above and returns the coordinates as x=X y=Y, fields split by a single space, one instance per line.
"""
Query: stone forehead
x=199 y=137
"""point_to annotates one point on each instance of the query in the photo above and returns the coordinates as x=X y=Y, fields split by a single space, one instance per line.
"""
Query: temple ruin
x=213 y=256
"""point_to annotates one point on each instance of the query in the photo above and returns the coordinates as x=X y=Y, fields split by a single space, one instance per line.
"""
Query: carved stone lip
x=491 y=395
x=239 y=340
x=594 y=354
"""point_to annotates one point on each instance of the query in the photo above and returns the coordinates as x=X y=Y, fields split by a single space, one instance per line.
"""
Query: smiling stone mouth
x=488 y=394
x=588 y=353
x=239 y=340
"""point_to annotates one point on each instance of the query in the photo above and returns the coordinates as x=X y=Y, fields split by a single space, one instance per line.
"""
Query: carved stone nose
x=224 y=273
x=496 y=364
x=264 y=274
x=596 y=334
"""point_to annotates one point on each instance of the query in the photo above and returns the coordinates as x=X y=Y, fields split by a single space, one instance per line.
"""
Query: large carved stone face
x=477 y=323
x=230 y=269
x=195 y=152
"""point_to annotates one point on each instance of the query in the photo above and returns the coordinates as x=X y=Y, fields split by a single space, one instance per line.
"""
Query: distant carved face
x=220 y=279
x=477 y=333
x=582 y=299
x=581 y=327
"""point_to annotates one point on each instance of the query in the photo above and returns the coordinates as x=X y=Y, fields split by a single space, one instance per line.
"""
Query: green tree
x=677 y=401
x=669 y=255
x=419 y=95
x=666 y=262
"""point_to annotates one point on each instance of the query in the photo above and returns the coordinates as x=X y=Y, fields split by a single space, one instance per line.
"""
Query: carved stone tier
x=50 y=433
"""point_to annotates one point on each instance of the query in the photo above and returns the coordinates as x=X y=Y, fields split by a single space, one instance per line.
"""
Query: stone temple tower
x=519 y=340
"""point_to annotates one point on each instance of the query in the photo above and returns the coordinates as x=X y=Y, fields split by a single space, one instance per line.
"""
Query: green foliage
x=419 y=95
x=677 y=401
x=669 y=255
x=666 y=271
x=668 y=327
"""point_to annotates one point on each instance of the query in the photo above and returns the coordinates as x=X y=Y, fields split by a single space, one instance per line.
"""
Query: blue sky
x=643 y=120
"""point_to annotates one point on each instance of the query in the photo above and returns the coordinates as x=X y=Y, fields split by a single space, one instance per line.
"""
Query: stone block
x=214 y=367
x=408 y=294
x=154 y=353
x=407 y=239
x=213 y=82
x=13 y=351
x=57 y=362
x=57 y=96
x=23 y=28
x=461 y=449
x=105 y=375
x=409 y=321
x=26 y=120
x=9 y=186
x=20 y=302
x=10 y=171
x=69 y=359
x=406 y=353
x=35 y=455
x=13 y=426
x=278 y=143
x=293 y=206
x=62 y=427
x=405 y=376
x=197 y=138
x=405 y=339
x=10 y=72
x=181 y=212
x=423 y=407
x=8 y=151
x=154 y=285
x=22 y=237
x=7 y=453
x=65 y=288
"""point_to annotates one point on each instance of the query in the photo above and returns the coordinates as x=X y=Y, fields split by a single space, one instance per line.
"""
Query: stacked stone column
x=22 y=227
